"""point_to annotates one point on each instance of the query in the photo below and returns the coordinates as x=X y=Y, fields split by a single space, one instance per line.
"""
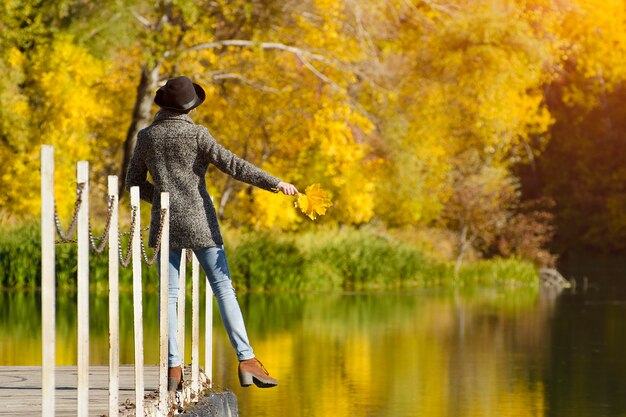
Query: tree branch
x=264 y=45
x=445 y=8
x=318 y=73
x=227 y=76
x=303 y=55
x=144 y=22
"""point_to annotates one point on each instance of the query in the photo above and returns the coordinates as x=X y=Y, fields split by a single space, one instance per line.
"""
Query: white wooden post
x=163 y=302
x=195 y=325
x=208 y=333
x=114 y=302
x=48 y=285
x=182 y=278
x=137 y=300
x=82 y=176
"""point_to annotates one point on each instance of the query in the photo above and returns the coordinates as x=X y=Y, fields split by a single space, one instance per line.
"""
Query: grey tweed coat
x=176 y=153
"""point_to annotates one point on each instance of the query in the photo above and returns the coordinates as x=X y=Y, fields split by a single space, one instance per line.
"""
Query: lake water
x=419 y=353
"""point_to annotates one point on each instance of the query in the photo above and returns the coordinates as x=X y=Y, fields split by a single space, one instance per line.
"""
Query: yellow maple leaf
x=314 y=202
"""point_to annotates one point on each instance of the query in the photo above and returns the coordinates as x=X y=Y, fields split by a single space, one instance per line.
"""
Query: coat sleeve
x=137 y=174
x=231 y=164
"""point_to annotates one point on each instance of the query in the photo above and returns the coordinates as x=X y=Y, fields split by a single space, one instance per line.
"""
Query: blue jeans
x=214 y=264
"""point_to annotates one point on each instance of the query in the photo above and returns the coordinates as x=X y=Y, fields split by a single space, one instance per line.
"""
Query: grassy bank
x=346 y=259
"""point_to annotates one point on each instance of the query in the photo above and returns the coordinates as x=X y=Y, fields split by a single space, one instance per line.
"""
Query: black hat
x=179 y=94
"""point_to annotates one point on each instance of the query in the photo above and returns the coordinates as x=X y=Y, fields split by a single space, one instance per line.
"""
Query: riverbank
x=340 y=259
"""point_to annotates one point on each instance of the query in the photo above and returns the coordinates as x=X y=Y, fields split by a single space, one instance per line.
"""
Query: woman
x=176 y=152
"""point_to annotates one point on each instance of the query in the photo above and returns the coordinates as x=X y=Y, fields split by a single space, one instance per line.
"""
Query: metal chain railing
x=125 y=258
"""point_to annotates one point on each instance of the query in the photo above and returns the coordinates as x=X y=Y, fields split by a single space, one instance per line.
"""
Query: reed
x=345 y=259
x=499 y=271
x=357 y=260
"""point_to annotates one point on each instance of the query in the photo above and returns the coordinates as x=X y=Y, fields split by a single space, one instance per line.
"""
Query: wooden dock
x=20 y=390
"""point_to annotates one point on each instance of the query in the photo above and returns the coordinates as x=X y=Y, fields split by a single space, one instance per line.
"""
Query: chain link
x=143 y=229
x=105 y=235
x=65 y=236
x=158 y=244
x=125 y=259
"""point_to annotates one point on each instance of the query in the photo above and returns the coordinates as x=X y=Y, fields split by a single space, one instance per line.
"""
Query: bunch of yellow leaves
x=314 y=202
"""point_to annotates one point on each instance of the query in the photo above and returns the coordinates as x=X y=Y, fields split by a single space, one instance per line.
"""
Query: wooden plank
x=114 y=300
x=195 y=324
x=208 y=332
x=137 y=301
x=182 y=293
x=163 y=301
x=48 y=291
x=20 y=390
x=82 y=176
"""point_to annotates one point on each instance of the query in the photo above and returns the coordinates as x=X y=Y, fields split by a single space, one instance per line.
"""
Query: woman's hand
x=287 y=189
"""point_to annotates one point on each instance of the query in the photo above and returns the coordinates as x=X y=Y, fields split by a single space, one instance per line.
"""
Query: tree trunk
x=462 y=249
x=141 y=115
x=228 y=189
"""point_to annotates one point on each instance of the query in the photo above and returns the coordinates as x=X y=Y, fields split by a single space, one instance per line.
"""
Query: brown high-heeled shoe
x=175 y=378
x=252 y=371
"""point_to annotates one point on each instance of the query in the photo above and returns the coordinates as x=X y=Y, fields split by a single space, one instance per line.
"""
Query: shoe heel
x=245 y=379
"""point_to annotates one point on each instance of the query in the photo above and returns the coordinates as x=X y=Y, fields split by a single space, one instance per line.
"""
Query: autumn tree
x=481 y=204
x=50 y=95
x=462 y=79
x=276 y=76
x=277 y=96
x=398 y=108
x=582 y=168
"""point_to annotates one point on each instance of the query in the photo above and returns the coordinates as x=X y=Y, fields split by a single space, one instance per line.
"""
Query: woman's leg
x=213 y=261
x=173 y=357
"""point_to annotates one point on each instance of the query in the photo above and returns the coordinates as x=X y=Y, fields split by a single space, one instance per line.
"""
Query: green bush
x=20 y=257
x=367 y=261
x=262 y=262
x=356 y=260
x=344 y=259
x=20 y=263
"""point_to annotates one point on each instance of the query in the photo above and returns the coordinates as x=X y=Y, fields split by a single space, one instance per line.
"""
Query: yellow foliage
x=67 y=107
x=275 y=112
x=591 y=48
x=273 y=211
x=379 y=103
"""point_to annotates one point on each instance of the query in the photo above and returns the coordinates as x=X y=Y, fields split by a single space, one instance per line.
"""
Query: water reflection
x=486 y=353
x=400 y=355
